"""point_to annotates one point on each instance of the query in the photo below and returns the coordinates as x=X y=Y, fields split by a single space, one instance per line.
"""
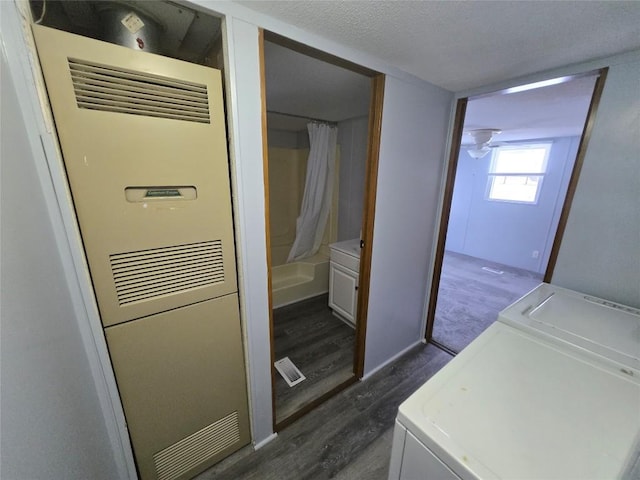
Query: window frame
x=492 y=175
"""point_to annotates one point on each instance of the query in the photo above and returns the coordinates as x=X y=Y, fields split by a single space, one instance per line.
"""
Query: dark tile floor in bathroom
x=319 y=344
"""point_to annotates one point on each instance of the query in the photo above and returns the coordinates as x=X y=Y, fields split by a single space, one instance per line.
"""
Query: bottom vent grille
x=182 y=456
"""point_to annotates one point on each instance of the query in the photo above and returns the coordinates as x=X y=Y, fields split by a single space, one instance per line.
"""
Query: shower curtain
x=316 y=200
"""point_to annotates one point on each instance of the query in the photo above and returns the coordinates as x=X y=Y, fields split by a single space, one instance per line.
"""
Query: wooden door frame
x=456 y=140
x=371 y=178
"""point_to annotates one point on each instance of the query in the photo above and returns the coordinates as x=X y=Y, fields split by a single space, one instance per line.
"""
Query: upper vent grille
x=112 y=89
x=152 y=273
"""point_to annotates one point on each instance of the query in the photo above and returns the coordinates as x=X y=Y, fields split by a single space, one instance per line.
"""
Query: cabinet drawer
x=347 y=261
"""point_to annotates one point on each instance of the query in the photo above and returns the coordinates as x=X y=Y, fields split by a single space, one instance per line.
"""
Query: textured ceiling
x=459 y=45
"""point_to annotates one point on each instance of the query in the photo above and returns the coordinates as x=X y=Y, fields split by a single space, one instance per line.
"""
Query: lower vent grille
x=147 y=274
x=198 y=447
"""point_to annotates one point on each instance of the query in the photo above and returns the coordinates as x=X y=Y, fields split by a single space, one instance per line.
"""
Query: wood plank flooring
x=348 y=437
x=469 y=298
x=319 y=344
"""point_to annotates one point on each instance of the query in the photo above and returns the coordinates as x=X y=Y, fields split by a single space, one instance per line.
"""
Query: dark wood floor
x=348 y=437
x=319 y=344
x=469 y=298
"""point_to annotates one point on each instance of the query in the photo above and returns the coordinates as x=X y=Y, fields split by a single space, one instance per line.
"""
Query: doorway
x=316 y=341
x=513 y=169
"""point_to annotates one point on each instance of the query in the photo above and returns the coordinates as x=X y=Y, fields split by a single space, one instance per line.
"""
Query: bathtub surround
x=352 y=147
x=287 y=169
x=317 y=197
x=293 y=282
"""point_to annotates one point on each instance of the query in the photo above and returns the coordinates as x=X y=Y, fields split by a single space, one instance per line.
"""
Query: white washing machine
x=550 y=391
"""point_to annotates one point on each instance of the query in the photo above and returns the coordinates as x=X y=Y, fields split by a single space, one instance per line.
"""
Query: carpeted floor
x=470 y=297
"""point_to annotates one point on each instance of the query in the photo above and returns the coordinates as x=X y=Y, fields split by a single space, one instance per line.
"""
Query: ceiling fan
x=481 y=141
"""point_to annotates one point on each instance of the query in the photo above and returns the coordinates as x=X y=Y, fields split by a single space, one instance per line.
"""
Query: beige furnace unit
x=144 y=146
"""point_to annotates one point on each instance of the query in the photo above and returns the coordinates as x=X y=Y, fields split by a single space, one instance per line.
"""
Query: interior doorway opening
x=317 y=324
x=513 y=168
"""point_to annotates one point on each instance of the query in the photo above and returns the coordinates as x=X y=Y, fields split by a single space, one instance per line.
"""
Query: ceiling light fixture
x=481 y=140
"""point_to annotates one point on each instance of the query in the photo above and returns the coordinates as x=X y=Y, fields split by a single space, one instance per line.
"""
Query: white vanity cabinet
x=344 y=270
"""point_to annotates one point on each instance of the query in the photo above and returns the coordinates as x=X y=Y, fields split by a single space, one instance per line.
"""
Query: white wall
x=600 y=252
x=243 y=84
x=52 y=423
x=412 y=151
x=508 y=232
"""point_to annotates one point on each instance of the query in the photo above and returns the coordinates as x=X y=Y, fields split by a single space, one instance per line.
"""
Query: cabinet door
x=343 y=291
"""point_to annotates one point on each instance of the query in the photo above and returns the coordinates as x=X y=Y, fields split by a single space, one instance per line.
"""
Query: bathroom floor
x=319 y=344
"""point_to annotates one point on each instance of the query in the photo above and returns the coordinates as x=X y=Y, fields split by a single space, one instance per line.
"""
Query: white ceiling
x=460 y=45
x=301 y=85
x=553 y=111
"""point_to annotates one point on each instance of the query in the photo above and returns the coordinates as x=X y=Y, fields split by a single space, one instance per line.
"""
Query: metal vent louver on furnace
x=113 y=89
x=146 y=274
x=180 y=457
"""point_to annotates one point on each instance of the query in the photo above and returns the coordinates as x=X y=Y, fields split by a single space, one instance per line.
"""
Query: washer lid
x=513 y=405
x=603 y=327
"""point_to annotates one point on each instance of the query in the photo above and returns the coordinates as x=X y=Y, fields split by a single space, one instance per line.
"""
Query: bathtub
x=299 y=280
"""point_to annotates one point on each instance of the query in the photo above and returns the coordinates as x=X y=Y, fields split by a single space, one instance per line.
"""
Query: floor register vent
x=289 y=371
x=182 y=456
x=492 y=270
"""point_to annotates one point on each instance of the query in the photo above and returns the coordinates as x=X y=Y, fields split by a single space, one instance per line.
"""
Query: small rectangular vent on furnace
x=146 y=274
x=113 y=89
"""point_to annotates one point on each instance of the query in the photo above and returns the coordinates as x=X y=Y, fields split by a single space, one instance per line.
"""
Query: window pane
x=520 y=160
x=515 y=188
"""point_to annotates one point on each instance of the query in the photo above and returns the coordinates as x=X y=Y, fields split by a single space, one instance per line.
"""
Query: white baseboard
x=262 y=443
x=395 y=357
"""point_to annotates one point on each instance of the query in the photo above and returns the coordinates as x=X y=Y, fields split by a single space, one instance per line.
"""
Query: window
x=516 y=173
